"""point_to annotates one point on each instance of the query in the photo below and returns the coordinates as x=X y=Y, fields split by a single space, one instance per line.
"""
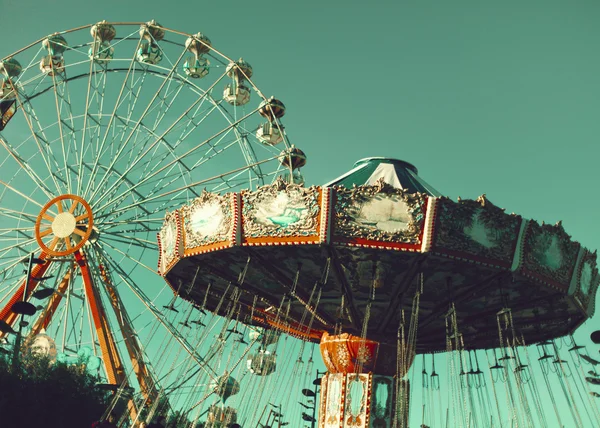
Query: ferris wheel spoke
x=86 y=115
x=73 y=206
x=15 y=229
x=158 y=221
x=43 y=145
x=184 y=188
x=26 y=168
x=93 y=122
x=17 y=215
x=79 y=232
x=142 y=230
x=129 y=240
x=161 y=137
x=53 y=243
x=45 y=232
x=84 y=216
x=160 y=317
x=132 y=64
x=124 y=144
x=181 y=157
x=59 y=99
x=128 y=256
x=8 y=186
x=215 y=149
x=166 y=105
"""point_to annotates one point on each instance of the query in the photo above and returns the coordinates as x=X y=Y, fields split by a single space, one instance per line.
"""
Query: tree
x=40 y=394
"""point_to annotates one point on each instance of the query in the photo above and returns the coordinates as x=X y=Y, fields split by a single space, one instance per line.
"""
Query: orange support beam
x=38 y=271
x=44 y=320
x=112 y=361
x=110 y=354
x=147 y=386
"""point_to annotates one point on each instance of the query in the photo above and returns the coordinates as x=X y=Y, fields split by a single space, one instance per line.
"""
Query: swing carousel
x=377 y=267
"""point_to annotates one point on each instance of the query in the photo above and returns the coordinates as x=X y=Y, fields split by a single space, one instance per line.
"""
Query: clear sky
x=501 y=98
x=483 y=97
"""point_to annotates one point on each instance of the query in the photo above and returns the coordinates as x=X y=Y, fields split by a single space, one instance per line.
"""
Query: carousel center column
x=363 y=387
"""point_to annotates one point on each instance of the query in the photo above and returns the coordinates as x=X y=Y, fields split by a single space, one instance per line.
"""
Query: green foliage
x=38 y=393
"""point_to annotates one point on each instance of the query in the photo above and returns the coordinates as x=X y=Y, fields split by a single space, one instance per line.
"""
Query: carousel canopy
x=342 y=258
x=397 y=173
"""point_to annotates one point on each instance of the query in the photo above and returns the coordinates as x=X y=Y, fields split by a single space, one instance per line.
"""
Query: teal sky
x=501 y=98
x=482 y=97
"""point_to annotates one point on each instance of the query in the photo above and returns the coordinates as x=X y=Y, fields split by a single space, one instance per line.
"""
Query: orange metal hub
x=67 y=231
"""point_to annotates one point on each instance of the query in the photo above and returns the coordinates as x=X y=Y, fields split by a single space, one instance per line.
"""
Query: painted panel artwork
x=335 y=400
x=357 y=389
x=281 y=210
x=588 y=280
x=207 y=220
x=550 y=252
x=380 y=213
x=168 y=240
x=477 y=228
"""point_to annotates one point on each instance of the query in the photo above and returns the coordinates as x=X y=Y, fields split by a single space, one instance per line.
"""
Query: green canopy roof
x=395 y=172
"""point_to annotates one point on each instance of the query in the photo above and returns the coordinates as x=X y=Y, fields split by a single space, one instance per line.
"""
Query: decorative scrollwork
x=476 y=227
x=208 y=219
x=550 y=252
x=588 y=278
x=169 y=238
x=380 y=213
x=281 y=210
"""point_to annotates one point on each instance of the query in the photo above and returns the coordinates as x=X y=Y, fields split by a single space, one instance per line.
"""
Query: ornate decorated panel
x=345 y=353
x=356 y=407
x=371 y=247
x=334 y=399
x=587 y=281
x=382 y=402
x=549 y=254
x=379 y=215
x=169 y=242
x=281 y=213
x=209 y=222
x=476 y=230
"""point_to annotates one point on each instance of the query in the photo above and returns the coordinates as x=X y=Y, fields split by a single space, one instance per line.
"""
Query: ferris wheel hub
x=64 y=225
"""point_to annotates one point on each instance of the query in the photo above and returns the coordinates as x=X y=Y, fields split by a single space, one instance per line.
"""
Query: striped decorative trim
x=179 y=241
x=236 y=234
x=323 y=403
x=211 y=249
x=165 y=265
x=278 y=243
x=160 y=257
x=428 y=229
x=326 y=212
x=379 y=247
x=368 y=401
x=518 y=256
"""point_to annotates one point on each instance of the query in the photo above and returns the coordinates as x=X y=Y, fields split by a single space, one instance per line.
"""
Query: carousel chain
x=587 y=391
x=565 y=385
x=365 y=325
x=503 y=325
x=493 y=381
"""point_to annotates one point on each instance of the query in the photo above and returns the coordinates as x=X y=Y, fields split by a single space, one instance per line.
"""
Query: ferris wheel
x=103 y=129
